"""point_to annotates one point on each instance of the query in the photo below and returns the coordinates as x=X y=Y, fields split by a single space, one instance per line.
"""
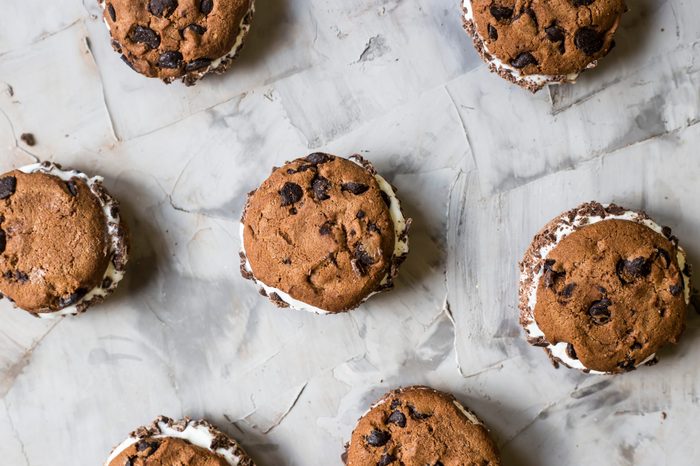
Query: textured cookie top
x=320 y=230
x=547 y=37
x=167 y=452
x=170 y=39
x=611 y=289
x=54 y=245
x=418 y=426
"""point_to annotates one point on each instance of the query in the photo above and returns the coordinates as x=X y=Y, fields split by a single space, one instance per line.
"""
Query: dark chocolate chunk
x=554 y=33
x=293 y=211
x=570 y=351
x=588 y=40
x=395 y=403
x=568 y=290
x=162 y=8
x=360 y=214
x=378 y=438
x=582 y=2
x=415 y=414
x=627 y=365
x=493 y=33
x=194 y=28
x=145 y=35
x=550 y=275
x=3 y=241
x=17 y=276
x=629 y=271
x=7 y=186
x=599 y=312
x=106 y=283
x=398 y=418
x=170 y=59
x=290 y=193
x=72 y=188
x=372 y=227
x=523 y=59
x=149 y=447
x=112 y=13
x=636 y=346
x=531 y=13
x=362 y=260
x=205 y=6
x=355 y=188
x=130 y=461
x=501 y=12
x=69 y=300
x=386 y=198
x=386 y=459
x=320 y=187
x=197 y=64
x=675 y=290
x=326 y=228
x=663 y=254
x=318 y=157
x=667 y=232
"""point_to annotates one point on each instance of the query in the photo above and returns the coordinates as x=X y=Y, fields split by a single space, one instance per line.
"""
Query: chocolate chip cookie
x=178 y=39
x=63 y=245
x=186 y=442
x=419 y=426
x=603 y=288
x=323 y=233
x=535 y=42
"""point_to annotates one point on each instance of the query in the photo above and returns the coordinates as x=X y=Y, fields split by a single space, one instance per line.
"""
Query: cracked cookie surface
x=418 y=426
x=172 y=39
x=320 y=230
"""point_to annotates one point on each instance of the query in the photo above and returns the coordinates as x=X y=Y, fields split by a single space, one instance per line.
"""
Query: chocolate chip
x=395 y=403
x=326 y=228
x=628 y=271
x=170 y=59
x=197 y=64
x=205 y=6
x=28 y=139
x=636 y=346
x=439 y=463
x=599 y=312
x=415 y=414
x=386 y=459
x=568 y=290
x=676 y=289
x=149 y=447
x=581 y=2
x=523 y=59
x=667 y=232
x=362 y=261
x=501 y=12
x=318 y=157
x=162 y=8
x=554 y=33
x=588 y=40
x=570 y=351
x=17 y=276
x=145 y=35
x=320 y=187
x=72 y=188
x=130 y=461
x=550 y=275
x=293 y=211
x=106 y=283
x=194 y=28
x=398 y=418
x=386 y=198
x=372 y=227
x=493 y=33
x=112 y=13
x=290 y=193
x=355 y=188
x=627 y=365
x=531 y=13
x=360 y=214
x=3 y=241
x=378 y=438
x=73 y=298
x=7 y=186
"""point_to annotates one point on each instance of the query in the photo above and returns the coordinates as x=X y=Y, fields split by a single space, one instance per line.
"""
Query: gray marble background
x=480 y=165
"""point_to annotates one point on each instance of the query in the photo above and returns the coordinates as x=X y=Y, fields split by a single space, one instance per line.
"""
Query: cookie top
x=62 y=244
x=172 y=39
x=604 y=288
x=419 y=426
x=167 y=442
x=546 y=40
x=323 y=233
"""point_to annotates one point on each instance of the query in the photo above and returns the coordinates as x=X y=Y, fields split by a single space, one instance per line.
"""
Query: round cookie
x=418 y=426
x=323 y=233
x=536 y=42
x=63 y=245
x=603 y=288
x=166 y=442
x=178 y=39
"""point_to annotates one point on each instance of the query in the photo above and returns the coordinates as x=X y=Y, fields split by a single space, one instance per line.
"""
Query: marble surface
x=480 y=166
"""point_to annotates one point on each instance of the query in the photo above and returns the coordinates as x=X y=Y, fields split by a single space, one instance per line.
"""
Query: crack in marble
x=22 y=448
x=110 y=119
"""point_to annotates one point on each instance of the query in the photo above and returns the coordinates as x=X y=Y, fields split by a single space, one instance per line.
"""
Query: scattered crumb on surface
x=28 y=139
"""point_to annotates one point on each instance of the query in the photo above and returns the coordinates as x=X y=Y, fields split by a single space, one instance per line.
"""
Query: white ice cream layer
x=113 y=221
x=564 y=230
x=400 y=249
x=198 y=435
x=536 y=79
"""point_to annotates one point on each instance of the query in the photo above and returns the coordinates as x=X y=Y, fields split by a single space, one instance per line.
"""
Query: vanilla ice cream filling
x=562 y=231
x=243 y=28
x=199 y=435
x=536 y=79
x=112 y=276
x=400 y=249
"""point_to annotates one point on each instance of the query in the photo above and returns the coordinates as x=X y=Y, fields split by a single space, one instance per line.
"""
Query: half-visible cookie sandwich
x=323 y=234
x=603 y=288
x=63 y=243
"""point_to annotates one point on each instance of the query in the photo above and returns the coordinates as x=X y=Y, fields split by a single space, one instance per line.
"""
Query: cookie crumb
x=28 y=139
